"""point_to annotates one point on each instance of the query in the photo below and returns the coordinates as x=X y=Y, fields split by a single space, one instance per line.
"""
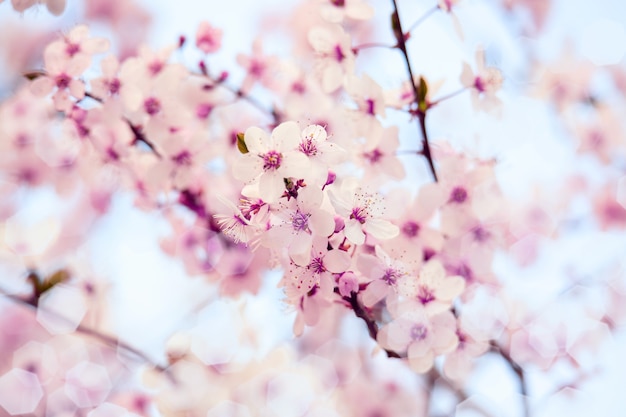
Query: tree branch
x=401 y=38
x=111 y=341
x=519 y=372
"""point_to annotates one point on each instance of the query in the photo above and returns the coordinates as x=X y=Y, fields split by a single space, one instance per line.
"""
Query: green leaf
x=395 y=27
x=241 y=143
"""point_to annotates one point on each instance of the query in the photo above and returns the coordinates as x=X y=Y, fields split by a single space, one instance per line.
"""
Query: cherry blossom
x=208 y=38
x=421 y=336
x=298 y=223
x=336 y=58
x=432 y=287
x=271 y=159
x=321 y=152
x=485 y=82
x=336 y=11
x=361 y=211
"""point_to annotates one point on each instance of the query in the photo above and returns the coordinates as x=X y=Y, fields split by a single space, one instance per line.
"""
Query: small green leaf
x=395 y=27
x=241 y=143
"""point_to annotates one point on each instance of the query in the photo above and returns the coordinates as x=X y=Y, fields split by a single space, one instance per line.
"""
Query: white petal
x=271 y=187
x=381 y=229
x=286 y=136
x=354 y=232
x=247 y=167
x=256 y=140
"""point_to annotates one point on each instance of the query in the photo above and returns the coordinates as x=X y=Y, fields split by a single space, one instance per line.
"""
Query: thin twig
x=401 y=38
x=240 y=94
x=361 y=312
x=446 y=97
x=137 y=131
x=108 y=340
x=422 y=19
x=367 y=45
x=519 y=372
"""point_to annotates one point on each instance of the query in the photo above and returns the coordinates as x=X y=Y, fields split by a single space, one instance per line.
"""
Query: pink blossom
x=420 y=335
x=432 y=288
x=361 y=211
x=336 y=58
x=271 y=159
x=336 y=11
x=484 y=83
x=297 y=222
x=208 y=38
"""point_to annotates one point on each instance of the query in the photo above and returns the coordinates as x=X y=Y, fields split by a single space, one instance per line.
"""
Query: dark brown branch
x=401 y=38
x=362 y=313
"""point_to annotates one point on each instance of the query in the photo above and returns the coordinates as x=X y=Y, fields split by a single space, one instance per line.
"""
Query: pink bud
x=348 y=284
x=339 y=224
x=208 y=38
x=330 y=178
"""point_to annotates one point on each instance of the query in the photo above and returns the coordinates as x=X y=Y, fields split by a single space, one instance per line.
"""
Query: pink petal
x=322 y=223
x=419 y=360
x=300 y=249
x=42 y=86
x=337 y=261
x=381 y=229
x=375 y=291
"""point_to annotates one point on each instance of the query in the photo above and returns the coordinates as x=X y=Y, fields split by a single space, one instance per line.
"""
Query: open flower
x=271 y=159
x=299 y=220
x=485 y=82
x=432 y=288
x=421 y=336
x=361 y=211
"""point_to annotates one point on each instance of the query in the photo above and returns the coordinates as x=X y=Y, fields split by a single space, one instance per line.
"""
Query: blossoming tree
x=425 y=265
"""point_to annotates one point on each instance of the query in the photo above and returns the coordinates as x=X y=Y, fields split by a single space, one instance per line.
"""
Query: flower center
x=317 y=265
x=272 y=160
x=410 y=229
x=373 y=156
x=152 y=106
x=458 y=195
x=300 y=221
x=114 y=86
x=419 y=332
x=182 y=158
x=62 y=81
x=203 y=110
x=72 y=49
x=359 y=214
x=339 y=56
x=425 y=294
x=308 y=147
x=391 y=276
x=369 y=104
